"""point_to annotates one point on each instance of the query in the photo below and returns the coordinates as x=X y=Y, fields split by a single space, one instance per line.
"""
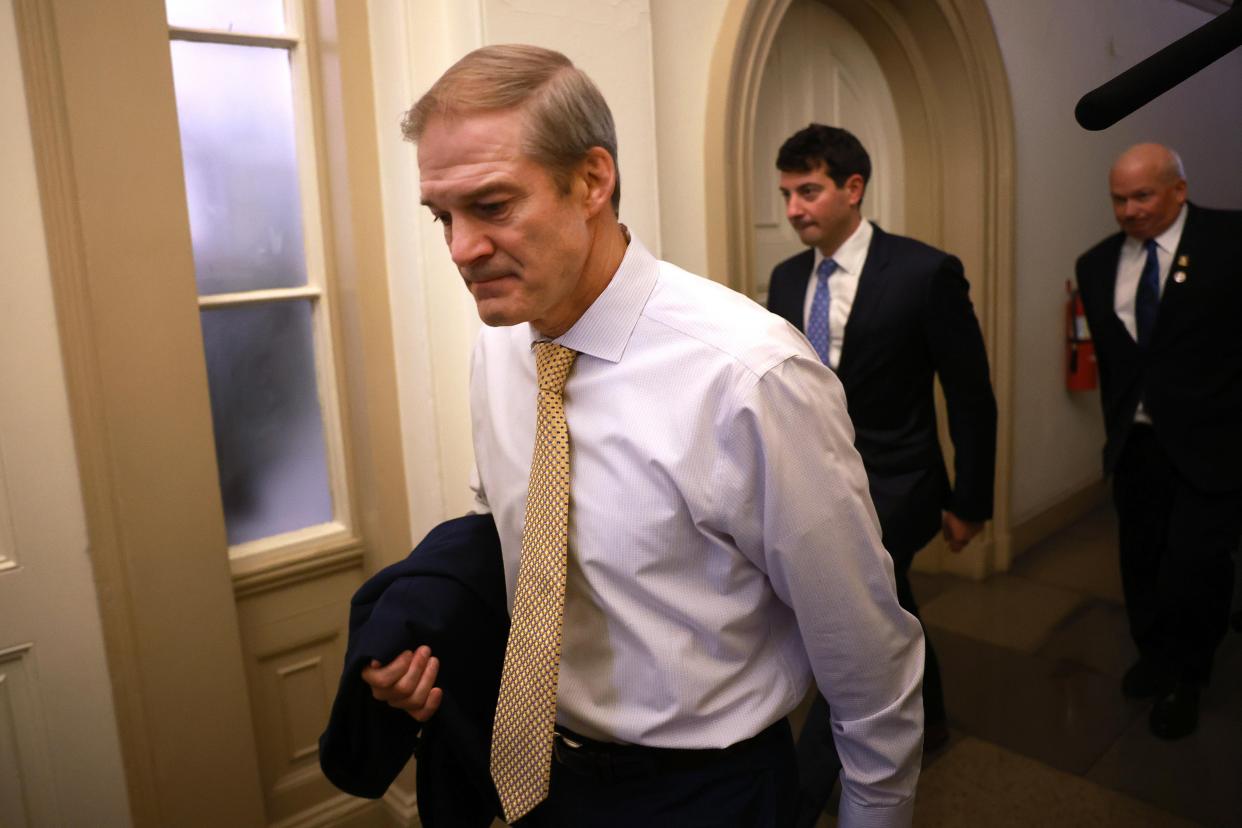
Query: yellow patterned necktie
x=521 y=762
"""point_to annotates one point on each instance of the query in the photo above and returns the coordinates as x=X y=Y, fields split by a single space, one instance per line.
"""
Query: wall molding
x=402 y=803
x=1064 y=511
x=341 y=810
x=283 y=574
x=45 y=99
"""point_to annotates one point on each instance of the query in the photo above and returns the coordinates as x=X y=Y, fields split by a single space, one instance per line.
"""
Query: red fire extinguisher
x=1080 y=368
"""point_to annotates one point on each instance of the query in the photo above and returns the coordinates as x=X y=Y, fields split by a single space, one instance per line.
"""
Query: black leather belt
x=609 y=761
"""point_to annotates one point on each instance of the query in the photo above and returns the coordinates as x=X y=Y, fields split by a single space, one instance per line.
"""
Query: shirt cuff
x=852 y=815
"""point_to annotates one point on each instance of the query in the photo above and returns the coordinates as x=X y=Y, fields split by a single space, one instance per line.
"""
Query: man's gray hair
x=1175 y=168
x=564 y=111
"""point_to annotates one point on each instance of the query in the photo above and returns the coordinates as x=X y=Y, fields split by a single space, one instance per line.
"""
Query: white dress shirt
x=722 y=543
x=842 y=286
x=1130 y=270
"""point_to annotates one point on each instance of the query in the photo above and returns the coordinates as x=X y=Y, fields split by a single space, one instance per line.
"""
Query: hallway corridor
x=1032 y=663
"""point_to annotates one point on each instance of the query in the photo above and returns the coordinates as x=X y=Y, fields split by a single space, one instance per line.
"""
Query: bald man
x=1164 y=301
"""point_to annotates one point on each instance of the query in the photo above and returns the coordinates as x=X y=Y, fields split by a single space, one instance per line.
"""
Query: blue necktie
x=817 y=324
x=1147 y=298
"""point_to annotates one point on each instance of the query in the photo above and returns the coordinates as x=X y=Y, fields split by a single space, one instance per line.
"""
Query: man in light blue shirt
x=716 y=567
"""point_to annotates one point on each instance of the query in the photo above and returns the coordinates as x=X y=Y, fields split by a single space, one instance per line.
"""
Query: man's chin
x=498 y=317
x=808 y=235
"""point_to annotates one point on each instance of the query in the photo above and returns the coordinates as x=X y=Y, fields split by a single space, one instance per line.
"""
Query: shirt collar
x=605 y=328
x=852 y=254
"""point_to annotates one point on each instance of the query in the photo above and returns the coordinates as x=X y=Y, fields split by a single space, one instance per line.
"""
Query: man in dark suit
x=1163 y=299
x=887 y=313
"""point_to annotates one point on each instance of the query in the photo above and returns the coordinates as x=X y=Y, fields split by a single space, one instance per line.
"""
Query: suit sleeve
x=961 y=361
x=784 y=297
x=1096 y=305
x=776 y=289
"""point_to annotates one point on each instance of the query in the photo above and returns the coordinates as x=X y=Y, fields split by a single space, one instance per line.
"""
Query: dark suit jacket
x=1190 y=377
x=450 y=595
x=911 y=319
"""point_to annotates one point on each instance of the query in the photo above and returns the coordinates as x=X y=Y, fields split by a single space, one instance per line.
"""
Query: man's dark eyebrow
x=480 y=193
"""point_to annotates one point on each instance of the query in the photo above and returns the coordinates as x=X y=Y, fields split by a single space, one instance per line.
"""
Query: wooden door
x=60 y=756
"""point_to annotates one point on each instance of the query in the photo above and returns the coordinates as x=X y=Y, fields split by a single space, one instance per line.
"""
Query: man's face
x=519 y=242
x=1146 y=198
x=821 y=213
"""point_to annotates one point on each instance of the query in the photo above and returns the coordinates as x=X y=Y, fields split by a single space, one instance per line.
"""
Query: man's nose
x=793 y=207
x=468 y=242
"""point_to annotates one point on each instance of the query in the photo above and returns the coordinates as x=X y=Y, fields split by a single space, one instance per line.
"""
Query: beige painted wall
x=433 y=317
x=1054 y=52
x=683 y=37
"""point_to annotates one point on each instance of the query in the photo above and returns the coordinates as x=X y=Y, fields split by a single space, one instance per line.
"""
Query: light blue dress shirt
x=723 y=549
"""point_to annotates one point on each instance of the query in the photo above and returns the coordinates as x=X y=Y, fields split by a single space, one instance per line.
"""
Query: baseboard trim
x=402 y=805
x=1061 y=513
x=340 y=810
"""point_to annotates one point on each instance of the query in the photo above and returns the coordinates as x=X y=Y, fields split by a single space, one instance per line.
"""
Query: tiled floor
x=1032 y=662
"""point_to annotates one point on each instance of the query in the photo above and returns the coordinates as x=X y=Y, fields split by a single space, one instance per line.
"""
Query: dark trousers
x=1176 y=546
x=751 y=785
x=818 y=762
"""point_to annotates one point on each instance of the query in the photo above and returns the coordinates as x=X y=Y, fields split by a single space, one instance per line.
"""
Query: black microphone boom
x=1106 y=105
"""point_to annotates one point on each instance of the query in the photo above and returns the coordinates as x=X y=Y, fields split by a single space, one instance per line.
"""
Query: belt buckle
x=559 y=739
x=568 y=741
x=577 y=757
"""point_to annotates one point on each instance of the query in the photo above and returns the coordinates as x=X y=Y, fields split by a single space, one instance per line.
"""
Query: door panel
x=60 y=759
x=27 y=791
x=294 y=639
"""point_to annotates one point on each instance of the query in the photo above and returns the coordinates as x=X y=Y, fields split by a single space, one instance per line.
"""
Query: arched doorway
x=943 y=66
x=819 y=68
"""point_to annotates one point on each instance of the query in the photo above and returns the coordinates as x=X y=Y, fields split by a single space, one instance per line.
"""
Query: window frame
x=304 y=545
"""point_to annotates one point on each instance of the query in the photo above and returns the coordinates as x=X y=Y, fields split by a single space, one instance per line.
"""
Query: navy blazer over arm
x=450 y=595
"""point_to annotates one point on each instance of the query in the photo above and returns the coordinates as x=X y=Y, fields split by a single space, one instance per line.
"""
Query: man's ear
x=598 y=176
x=855 y=187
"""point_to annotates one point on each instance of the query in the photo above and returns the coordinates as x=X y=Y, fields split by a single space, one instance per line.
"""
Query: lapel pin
x=1183 y=261
x=1180 y=276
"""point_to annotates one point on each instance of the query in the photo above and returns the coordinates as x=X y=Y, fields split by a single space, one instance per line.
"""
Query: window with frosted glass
x=260 y=305
x=235 y=107
x=265 y=410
